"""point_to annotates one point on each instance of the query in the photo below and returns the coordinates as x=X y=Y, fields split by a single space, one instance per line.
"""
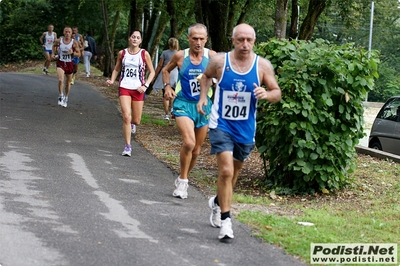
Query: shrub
x=308 y=138
x=20 y=47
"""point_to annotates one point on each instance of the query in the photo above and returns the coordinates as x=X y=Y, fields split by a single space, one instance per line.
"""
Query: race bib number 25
x=236 y=105
x=194 y=87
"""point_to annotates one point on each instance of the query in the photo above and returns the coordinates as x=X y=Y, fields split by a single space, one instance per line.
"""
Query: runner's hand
x=169 y=93
x=259 y=92
x=200 y=106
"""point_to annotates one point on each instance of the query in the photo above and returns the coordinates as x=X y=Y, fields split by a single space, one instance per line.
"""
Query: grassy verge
x=367 y=212
x=150 y=119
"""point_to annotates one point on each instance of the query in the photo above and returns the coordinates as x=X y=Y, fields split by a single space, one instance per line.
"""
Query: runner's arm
x=116 y=70
x=76 y=51
x=212 y=71
x=41 y=38
x=266 y=72
x=169 y=92
x=54 y=49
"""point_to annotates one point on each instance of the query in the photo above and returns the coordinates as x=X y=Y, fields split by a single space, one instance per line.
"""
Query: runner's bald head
x=243 y=28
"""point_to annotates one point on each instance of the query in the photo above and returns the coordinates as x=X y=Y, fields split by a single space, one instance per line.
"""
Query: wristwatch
x=166 y=84
x=146 y=85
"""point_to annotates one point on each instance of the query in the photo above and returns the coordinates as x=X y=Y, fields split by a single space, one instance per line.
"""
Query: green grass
x=150 y=119
x=368 y=212
x=204 y=179
x=330 y=227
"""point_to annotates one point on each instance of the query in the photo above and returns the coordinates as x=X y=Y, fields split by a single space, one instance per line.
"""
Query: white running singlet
x=133 y=70
x=63 y=50
x=48 y=41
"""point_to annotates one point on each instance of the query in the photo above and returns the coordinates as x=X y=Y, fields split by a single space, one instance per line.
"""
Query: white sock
x=183 y=180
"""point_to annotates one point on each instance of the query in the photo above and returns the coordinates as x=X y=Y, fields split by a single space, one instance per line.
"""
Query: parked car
x=385 y=132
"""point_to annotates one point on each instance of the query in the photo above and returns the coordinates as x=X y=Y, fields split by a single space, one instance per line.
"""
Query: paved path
x=67 y=196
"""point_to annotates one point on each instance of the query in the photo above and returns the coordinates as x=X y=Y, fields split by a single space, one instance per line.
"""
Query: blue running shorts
x=183 y=107
x=222 y=141
x=75 y=60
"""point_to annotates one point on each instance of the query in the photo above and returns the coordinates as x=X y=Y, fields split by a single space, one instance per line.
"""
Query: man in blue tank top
x=240 y=74
x=77 y=37
x=192 y=126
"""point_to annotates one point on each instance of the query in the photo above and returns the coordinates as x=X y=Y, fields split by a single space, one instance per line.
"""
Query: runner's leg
x=67 y=84
x=200 y=134
x=137 y=108
x=186 y=128
x=126 y=108
x=60 y=75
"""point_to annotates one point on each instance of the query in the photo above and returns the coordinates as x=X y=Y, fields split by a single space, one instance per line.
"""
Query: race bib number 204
x=236 y=105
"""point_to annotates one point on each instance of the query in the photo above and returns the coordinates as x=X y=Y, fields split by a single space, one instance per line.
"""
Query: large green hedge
x=307 y=140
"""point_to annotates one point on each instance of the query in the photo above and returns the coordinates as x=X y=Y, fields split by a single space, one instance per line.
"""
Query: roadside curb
x=377 y=153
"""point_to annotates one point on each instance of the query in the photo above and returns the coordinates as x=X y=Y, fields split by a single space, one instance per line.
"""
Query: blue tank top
x=235 y=106
x=187 y=85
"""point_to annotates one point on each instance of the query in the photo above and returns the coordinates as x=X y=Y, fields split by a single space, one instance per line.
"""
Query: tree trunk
x=294 y=20
x=113 y=34
x=146 y=27
x=135 y=16
x=108 y=58
x=315 y=9
x=157 y=38
x=231 y=19
x=281 y=19
x=218 y=18
x=245 y=9
x=198 y=11
x=149 y=28
x=174 y=20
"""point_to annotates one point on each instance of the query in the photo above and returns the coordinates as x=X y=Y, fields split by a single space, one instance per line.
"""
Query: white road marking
x=149 y=202
x=117 y=212
x=133 y=181
x=79 y=165
x=18 y=246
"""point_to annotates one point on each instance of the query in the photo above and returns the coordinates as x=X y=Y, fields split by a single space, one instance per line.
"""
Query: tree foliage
x=339 y=21
x=308 y=138
x=349 y=21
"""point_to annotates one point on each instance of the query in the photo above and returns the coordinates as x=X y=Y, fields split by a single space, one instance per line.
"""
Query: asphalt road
x=67 y=196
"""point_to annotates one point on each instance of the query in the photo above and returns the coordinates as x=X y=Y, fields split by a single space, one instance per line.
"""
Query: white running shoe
x=181 y=189
x=127 y=151
x=64 y=102
x=133 y=128
x=226 y=232
x=215 y=217
x=166 y=117
x=60 y=100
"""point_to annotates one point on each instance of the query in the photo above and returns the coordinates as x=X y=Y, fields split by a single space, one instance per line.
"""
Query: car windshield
x=391 y=110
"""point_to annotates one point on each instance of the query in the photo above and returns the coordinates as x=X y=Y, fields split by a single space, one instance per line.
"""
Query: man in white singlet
x=64 y=49
x=240 y=75
x=47 y=40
